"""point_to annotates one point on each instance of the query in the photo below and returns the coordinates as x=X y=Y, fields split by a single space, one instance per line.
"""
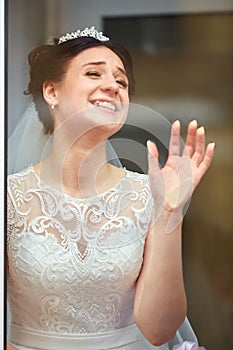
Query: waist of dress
x=91 y=341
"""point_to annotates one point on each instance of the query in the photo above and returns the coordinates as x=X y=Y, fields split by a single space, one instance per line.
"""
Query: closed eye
x=96 y=74
x=122 y=82
x=93 y=73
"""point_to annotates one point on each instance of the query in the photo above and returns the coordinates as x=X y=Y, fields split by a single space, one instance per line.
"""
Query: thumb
x=153 y=157
x=156 y=181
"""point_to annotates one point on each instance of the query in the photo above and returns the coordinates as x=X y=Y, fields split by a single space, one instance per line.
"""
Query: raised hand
x=173 y=185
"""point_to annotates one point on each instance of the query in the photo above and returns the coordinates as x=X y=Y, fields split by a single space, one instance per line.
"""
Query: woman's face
x=95 y=79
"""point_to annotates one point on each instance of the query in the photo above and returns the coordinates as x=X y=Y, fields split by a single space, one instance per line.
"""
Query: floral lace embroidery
x=73 y=263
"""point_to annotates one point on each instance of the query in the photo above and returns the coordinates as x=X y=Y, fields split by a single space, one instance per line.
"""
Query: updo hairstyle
x=50 y=63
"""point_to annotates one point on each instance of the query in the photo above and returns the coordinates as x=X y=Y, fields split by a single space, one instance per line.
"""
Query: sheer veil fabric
x=28 y=143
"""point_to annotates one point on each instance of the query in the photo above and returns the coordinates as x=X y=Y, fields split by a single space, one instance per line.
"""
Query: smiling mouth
x=108 y=106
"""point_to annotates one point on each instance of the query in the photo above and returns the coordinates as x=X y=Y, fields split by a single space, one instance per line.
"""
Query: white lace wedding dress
x=73 y=263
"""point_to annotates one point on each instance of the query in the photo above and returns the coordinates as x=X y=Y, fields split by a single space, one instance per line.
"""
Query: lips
x=107 y=105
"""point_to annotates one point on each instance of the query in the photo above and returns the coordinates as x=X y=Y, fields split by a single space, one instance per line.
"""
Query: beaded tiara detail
x=89 y=32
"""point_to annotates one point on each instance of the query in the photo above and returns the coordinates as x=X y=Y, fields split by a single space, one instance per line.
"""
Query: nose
x=110 y=85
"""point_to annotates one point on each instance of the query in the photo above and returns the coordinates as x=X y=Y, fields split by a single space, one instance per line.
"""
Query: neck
x=85 y=168
x=80 y=170
x=77 y=163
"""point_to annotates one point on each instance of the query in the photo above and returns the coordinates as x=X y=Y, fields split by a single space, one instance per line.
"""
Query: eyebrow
x=98 y=63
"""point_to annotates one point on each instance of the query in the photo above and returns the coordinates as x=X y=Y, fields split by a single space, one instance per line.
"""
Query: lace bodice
x=73 y=263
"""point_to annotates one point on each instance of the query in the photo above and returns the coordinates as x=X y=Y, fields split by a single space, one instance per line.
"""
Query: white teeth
x=106 y=105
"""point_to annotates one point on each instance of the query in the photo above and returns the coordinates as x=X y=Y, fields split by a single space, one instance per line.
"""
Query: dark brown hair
x=50 y=62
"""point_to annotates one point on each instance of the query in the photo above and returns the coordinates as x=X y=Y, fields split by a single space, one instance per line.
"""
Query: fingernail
x=194 y=121
x=212 y=145
x=150 y=146
x=201 y=129
x=148 y=143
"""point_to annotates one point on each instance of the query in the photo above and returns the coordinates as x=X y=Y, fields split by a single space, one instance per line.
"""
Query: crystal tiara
x=89 y=32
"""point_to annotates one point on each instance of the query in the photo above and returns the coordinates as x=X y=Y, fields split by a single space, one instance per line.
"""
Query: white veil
x=28 y=142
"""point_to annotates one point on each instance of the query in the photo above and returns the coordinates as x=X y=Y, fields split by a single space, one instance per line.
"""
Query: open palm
x=172 y=186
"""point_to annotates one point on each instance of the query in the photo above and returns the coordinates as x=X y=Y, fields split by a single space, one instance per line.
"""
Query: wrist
x=167 y=220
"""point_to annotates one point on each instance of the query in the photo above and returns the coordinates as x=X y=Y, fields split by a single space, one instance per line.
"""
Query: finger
x=209 y=153
x=174 y=144
x=190 y=139
x=153 y=157
x=200 y=146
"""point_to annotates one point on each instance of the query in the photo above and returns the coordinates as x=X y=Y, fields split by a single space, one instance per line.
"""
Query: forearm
x=160 y=302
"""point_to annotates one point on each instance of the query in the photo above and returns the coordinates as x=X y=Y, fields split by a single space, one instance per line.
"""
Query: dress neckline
x=70 y=197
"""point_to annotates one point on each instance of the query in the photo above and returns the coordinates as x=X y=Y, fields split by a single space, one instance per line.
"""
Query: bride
x=94 y=250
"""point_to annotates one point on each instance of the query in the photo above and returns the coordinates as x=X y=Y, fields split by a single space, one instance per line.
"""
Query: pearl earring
x=52 y=106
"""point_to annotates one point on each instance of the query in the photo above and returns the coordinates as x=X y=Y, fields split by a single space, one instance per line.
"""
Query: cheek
x=125 y=96
x=70 y=97
x=68 y=106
